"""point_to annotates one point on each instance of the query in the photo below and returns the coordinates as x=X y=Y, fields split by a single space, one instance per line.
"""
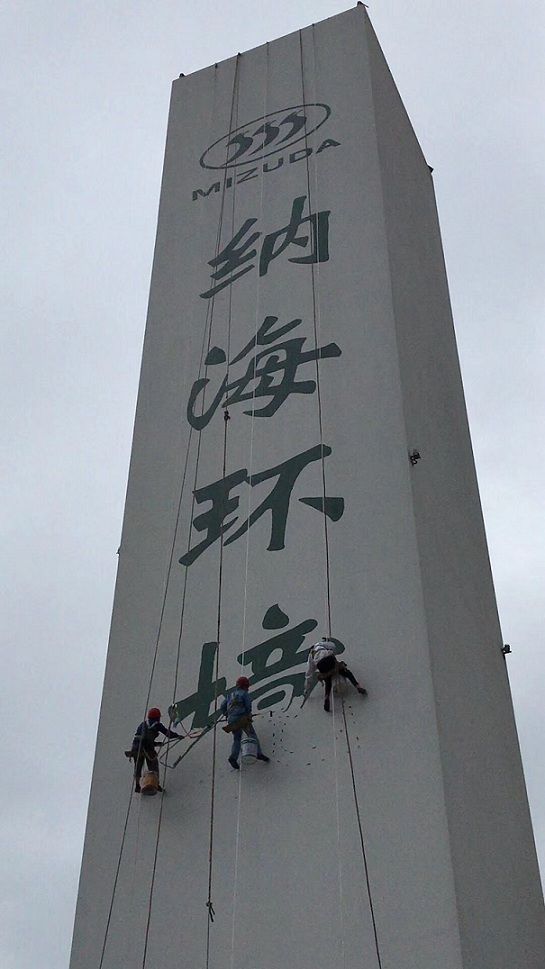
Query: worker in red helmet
x=237 y=707
x=143 y=745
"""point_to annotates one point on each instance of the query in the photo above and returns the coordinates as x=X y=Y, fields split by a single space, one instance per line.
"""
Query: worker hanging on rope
x=324 y=666
x=237 y=707
x=143 y=746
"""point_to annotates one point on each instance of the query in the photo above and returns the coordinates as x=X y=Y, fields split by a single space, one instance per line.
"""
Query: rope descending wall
x=327 y=561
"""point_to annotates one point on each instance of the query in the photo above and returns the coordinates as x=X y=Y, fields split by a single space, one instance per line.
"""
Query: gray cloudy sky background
x=84 y=90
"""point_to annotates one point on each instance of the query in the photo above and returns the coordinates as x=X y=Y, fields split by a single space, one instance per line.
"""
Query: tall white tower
x=302 y=467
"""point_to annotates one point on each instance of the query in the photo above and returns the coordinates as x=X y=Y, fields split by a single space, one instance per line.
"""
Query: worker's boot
x=361 y=690
x=137 y=788
x=264 y=758
x=326 y=704
x=234 y=763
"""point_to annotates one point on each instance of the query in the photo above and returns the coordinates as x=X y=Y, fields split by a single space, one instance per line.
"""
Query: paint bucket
x=149 y=783
x=248 y=750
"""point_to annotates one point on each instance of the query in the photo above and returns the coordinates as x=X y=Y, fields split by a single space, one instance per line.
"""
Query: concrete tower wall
x=395 y=830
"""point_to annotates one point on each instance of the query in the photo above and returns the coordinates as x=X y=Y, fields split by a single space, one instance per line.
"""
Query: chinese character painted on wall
x=270 y=372
x=275 y=668
x=240 y=255
x=222 y=503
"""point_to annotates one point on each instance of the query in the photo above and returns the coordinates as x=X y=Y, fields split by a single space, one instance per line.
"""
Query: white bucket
x=248 y=750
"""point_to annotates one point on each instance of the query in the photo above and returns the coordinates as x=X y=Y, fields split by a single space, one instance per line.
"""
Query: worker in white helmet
x=323 y=665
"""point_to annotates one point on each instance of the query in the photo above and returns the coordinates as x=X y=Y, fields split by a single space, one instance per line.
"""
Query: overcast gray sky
x=84 y=90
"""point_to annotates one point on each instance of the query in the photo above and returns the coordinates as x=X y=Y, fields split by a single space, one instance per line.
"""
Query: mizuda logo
x=265 y=136
x=265 y=145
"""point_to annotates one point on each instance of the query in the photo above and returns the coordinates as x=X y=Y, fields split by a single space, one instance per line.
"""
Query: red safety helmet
x=243 y=682
x=154 y=714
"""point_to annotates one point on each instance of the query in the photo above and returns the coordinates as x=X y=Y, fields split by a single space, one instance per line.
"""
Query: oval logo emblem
x=265 y=136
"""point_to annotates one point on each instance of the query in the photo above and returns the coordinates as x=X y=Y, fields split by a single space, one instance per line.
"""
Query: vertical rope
x=207 y=339
x=156 y=644
x=247 y=555
x=327 y=590
x=226 y=418
x=150 y=681
x=129 y=934
x=209 y=904
x=338 y=821
x=327 y=584
x=362 y=839
x=328 y=565
x=116 y=878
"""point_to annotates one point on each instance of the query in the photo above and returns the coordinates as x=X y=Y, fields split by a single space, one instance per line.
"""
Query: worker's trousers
x=237 y=740
x=148 y=755
x=342 y=670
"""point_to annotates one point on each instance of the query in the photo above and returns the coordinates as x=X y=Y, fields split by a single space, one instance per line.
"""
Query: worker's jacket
x=146 y=734
x=318 y=651
x=236 y=705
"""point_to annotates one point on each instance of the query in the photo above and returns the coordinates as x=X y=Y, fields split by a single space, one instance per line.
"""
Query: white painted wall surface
x=288 y=879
